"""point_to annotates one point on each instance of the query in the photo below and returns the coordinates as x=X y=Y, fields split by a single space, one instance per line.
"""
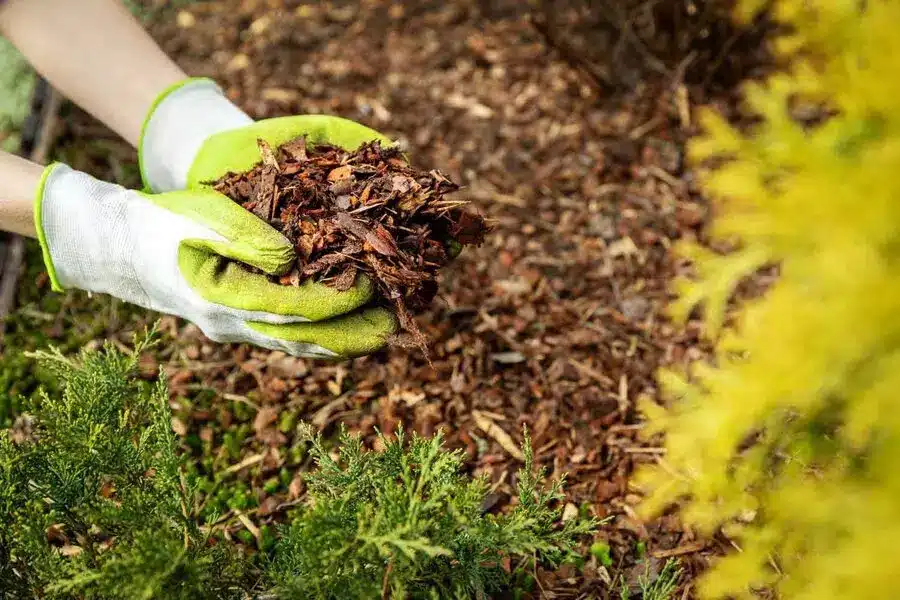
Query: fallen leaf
x=295 y=489
x=179 y=427
x=264 y=417
x=69 y=551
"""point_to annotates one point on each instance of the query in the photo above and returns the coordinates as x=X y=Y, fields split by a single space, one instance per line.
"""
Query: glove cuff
x=55 y=285
x=179 y=122
x=78 y=220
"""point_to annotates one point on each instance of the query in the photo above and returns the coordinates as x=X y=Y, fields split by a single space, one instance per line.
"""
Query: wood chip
x=69 y=550
x=345 y=280
x=500 y=436
x=341 y=173
x=688 y=548
x=591 y=372
x=247 y=462
x=268 y=156
x=323 y=415
x=264 y=195
x=179 y=427
x=245 y=520
x=296 y=149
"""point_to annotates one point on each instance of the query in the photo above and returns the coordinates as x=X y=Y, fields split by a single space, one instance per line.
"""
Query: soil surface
x=556 y=323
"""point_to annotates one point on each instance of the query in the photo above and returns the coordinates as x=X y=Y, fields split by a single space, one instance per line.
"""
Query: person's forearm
x=19 y=181
x=95 y=53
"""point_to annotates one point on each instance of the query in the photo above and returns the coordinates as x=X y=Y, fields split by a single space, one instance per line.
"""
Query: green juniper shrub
x=92 y=497
x=654 y=586
x=96 y=503
x=405 y=521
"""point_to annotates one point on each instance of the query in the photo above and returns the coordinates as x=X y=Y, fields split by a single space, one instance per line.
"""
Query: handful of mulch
x=366 y=211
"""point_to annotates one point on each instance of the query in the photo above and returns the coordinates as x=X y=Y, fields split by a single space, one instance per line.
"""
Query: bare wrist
x=19 y=181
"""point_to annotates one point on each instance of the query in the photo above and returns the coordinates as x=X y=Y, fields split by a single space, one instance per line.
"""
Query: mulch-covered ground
x=556 y=323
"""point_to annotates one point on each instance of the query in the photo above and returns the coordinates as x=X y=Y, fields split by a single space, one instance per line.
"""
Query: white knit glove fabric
x=177 y=128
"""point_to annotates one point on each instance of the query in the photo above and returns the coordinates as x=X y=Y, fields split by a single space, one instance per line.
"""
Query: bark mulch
x=362 y=211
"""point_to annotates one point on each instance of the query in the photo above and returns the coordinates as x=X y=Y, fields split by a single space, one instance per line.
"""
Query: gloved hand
x=170 y=252
x=174 y=251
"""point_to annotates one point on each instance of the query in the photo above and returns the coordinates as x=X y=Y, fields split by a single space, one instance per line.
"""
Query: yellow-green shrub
x=791 y=435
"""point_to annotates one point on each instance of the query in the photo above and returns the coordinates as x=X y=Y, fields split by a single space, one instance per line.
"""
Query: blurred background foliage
x=16 y=86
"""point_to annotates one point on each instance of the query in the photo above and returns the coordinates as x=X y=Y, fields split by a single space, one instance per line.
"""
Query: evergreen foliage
x=17 y=81
x=405 y=522
x=95 y=505
x=790 y=436
x=93 y=497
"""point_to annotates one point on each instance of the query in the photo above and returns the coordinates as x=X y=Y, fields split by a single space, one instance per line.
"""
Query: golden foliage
x=792 y=437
